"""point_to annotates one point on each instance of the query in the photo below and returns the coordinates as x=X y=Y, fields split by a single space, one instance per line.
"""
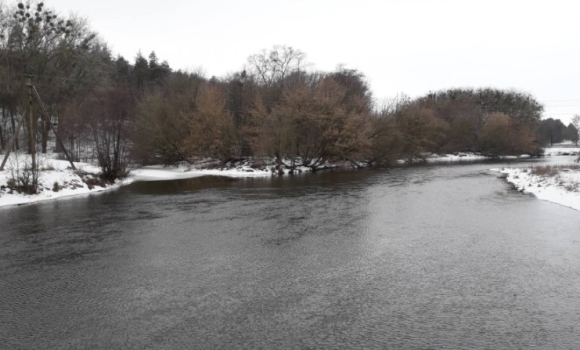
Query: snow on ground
x=563 y=188
x=71 y=182
x=466 y=156
x=158 y=173
x=455 y=157
x=56 y=179
x=561 y=151
x=556 y=180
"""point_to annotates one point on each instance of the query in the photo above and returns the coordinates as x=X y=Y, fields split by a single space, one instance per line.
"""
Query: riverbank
x=557 y=181
x=553 y=183
x=57 y=179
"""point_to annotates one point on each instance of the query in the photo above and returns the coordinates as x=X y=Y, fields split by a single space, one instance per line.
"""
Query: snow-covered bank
x=553 y=183
x=456 y=157
x=56 y=179
x=557 y=150
x=556 y=180
x=159 y=173
x=561 y=151
x=467 y=156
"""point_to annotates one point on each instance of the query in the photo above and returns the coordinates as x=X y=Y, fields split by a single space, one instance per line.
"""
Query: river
x=427 y=257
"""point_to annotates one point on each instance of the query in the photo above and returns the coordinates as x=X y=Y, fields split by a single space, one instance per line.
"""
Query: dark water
x=434 y=257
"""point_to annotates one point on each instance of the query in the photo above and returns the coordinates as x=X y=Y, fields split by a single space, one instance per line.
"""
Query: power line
x=562 y=106
x=575 y=100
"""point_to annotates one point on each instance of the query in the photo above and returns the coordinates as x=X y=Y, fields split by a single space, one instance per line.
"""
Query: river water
x=430 y=257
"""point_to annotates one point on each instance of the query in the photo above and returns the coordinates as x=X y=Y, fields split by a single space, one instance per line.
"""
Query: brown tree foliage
x=212 y=132
x=504 y=135
x=163 y=123
x=489 y=121
x=386 y=141
x=312 y=124
x=422 y=131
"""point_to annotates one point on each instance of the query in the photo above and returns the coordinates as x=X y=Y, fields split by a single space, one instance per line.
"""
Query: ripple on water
x=422 y=258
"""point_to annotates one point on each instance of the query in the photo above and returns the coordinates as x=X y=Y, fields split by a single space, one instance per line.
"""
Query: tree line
x=277 y=107
x=550 y=131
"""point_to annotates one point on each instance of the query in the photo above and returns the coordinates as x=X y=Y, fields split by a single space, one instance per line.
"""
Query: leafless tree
x=107 y=114
x=273 y=66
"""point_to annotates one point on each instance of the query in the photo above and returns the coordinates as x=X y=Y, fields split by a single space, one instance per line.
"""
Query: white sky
x=402 y=46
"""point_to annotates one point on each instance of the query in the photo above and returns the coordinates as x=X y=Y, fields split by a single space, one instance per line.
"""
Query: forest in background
x=278 y=107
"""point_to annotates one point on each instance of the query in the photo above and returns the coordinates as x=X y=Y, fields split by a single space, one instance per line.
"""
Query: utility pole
x=44 y=114
x=32 y=125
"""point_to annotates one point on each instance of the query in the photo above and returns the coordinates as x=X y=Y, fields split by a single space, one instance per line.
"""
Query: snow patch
x=56 y=180
x=561 y=151
x=562 y=187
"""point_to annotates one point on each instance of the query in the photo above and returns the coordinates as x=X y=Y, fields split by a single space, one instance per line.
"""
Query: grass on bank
x=565 y=176
x=552 y=170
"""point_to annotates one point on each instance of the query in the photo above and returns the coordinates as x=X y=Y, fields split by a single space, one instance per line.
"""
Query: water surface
x=430 y=257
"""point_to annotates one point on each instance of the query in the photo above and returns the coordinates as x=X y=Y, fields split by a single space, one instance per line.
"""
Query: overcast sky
x=402 y=46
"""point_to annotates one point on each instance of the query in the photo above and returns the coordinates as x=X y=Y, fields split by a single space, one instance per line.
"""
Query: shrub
x=545 y=170
x=572 y=186
x=23 y=177
x=92 y=182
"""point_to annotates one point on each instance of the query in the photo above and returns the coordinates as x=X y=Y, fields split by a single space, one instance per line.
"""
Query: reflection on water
x=430 y=257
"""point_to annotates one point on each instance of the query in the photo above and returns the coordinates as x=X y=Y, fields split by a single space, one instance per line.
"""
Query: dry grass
x=545 y=170
x=552 y=170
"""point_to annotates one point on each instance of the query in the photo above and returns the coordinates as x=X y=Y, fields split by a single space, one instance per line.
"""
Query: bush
x=552 y=170
x=23 y=177
x=545 y=170
x=92 y=182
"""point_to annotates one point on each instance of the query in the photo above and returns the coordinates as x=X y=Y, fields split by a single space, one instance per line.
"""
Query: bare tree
x=107 y=115
x=272 y=67
x=576 y=124
x=61 y=55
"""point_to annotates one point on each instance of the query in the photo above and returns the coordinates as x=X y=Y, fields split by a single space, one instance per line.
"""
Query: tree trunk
x=60 y=132
x=45 y=132
x=1 y=129
x=279 y=164
x=14 y=131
